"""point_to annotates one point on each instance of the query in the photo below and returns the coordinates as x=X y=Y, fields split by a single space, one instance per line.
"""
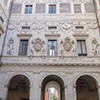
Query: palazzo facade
x=49 y=49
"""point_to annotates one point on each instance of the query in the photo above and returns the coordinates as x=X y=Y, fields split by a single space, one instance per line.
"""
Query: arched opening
x=86 y=88
x=18 y=88
x=52 y=88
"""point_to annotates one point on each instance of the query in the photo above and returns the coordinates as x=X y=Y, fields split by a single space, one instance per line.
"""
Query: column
x=98 y=87
x=5 y=93
x=74 y=90
x=71 y=90
x=35 y=95
x=65 y=87
x=31 y=93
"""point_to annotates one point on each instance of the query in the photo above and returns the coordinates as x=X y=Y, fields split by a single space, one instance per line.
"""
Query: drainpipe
x=6 y=31
x=95 y=9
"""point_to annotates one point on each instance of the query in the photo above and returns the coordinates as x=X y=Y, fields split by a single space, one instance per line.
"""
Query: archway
x=86 y=88
x=52 y=88
x=18 y=88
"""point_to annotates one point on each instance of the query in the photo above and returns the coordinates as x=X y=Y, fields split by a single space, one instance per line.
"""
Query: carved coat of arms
x=67 y=44
x=37 y=44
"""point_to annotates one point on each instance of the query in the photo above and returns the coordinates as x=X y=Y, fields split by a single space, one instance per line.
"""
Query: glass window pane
x=52 y=47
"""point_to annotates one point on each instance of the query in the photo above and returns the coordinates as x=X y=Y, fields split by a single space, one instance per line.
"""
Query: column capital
x=6 y=86
x=31 y=86
x=74 y=86
x=98 y=86
x=65 y=86
x=40 y=85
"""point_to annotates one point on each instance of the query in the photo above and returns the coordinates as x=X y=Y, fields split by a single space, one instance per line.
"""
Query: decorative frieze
x=52 y=61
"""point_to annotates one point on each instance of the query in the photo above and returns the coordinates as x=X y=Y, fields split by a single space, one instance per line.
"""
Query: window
x=52 y=47
x=28 y=9
x=25 y=27
x=79 y=27
x=81 y=48
x=52 y=9
x=52 y=27
x=23 y=47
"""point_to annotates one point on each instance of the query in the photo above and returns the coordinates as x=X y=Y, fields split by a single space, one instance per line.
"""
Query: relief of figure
x=37 y=45
x=95 y=47
x=10 y=49
x=68 y=45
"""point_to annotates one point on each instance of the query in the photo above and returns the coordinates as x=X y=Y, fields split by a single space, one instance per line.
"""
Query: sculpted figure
x=10 y=49
x=95 y=47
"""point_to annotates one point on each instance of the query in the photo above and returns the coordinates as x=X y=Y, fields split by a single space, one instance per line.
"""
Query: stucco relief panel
x=37 y=46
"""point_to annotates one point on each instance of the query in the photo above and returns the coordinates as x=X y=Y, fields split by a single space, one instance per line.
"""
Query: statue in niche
x=68 y=45
x=95 y=47
x=10 y=45
x=37 y=45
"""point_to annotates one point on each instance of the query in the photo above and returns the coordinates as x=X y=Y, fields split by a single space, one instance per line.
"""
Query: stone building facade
x=50 y=50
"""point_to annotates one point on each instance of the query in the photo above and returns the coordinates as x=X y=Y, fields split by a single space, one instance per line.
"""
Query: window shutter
x=40 y=8
x=83 y=47
x=78 y=47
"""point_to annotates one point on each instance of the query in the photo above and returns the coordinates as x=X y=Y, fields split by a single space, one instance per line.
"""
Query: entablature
x=42 y=60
